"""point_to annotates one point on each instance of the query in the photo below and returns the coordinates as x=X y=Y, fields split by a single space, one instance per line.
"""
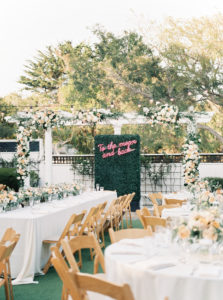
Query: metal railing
x=154 y=158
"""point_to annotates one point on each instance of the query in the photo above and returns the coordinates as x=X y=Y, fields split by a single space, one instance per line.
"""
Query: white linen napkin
x=157 y=263
x=207 y=271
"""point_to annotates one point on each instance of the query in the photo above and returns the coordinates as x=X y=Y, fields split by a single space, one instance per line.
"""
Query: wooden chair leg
x=10 y=280
x=47 y=265
x=91 y=253
x=80 y=259
x=6 y=285
x=122 y=221
x=126 y=217
x=130 y=216
x=64 y=295
x=103 y=237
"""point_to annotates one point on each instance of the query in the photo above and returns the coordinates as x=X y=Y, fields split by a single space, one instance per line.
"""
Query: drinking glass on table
x=31 y=201
x=97 y=187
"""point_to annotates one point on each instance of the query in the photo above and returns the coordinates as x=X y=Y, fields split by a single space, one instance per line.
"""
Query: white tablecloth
x=39 y=223
x=154 y=272
x=182 y=211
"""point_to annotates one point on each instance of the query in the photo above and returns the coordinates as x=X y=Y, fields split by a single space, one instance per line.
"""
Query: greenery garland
x=169 y=114
x=44 y=119
x=160 y=114
x=95 y=116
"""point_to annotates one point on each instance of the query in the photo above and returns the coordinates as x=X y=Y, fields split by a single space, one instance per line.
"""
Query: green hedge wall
x=8 y=177
x=119 y=169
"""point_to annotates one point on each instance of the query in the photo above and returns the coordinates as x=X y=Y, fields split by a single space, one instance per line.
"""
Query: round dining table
x=156 y=268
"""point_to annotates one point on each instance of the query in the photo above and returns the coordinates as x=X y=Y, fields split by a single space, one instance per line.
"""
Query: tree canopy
x=183 y=66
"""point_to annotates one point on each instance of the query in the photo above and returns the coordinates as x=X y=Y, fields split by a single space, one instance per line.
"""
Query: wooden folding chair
x=159 y=208
x=156 y=196
x=71 y=229
x=77 y=244
x=99 y=224
x=174 y=201
x=10 y=236
x=129 y=233
x=89 y=223
x=121 y=207
x=83 y=242
x=112 y=216
x=127 y=209
x=77 y=284
x=153 y=222
x=6 y=249
x=145 y=212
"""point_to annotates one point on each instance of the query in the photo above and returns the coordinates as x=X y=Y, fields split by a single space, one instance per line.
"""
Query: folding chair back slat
x=154 y=221
x=83 y=242
x=130 y=233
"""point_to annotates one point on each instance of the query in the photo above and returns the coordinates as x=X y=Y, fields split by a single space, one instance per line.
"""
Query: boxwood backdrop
x=117 y=164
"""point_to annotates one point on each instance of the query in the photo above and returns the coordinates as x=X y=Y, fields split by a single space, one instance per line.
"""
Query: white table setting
x=40 y=222
x=177 y=212
x=155 y=268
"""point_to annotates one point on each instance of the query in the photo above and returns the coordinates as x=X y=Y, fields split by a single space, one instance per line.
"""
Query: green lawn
x=50 y=285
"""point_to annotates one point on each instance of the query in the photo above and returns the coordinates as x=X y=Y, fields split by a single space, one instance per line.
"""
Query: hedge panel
x=117 y=164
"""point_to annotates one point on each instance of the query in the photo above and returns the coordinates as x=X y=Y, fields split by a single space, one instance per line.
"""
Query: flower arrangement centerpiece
x=71 y=189
x=206 y=224
x=8 y=198
x=162 y=114
x=208 y=199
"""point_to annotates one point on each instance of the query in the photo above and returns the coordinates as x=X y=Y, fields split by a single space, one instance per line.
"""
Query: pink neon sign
x=117 y=149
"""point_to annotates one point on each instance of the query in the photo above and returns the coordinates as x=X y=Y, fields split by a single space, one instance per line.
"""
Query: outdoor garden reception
x=111 y=150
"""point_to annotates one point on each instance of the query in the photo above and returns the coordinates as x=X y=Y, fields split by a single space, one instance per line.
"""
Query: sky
x=27 y=26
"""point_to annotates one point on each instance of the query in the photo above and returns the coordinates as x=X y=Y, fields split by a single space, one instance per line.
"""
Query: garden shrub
x=8 y=177
x=214 y=183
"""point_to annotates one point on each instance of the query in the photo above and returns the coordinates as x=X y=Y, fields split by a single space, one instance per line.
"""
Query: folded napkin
x=156 y=264
x=208 y=271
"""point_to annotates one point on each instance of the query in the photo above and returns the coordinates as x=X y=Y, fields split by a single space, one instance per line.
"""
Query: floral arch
x=164 y=115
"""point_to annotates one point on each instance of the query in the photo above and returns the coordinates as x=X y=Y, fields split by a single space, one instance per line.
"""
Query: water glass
x=101 y=188
x=31 y=201
x=97 y=187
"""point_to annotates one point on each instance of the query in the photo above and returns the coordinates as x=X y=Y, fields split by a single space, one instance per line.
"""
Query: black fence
x=153 y=158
